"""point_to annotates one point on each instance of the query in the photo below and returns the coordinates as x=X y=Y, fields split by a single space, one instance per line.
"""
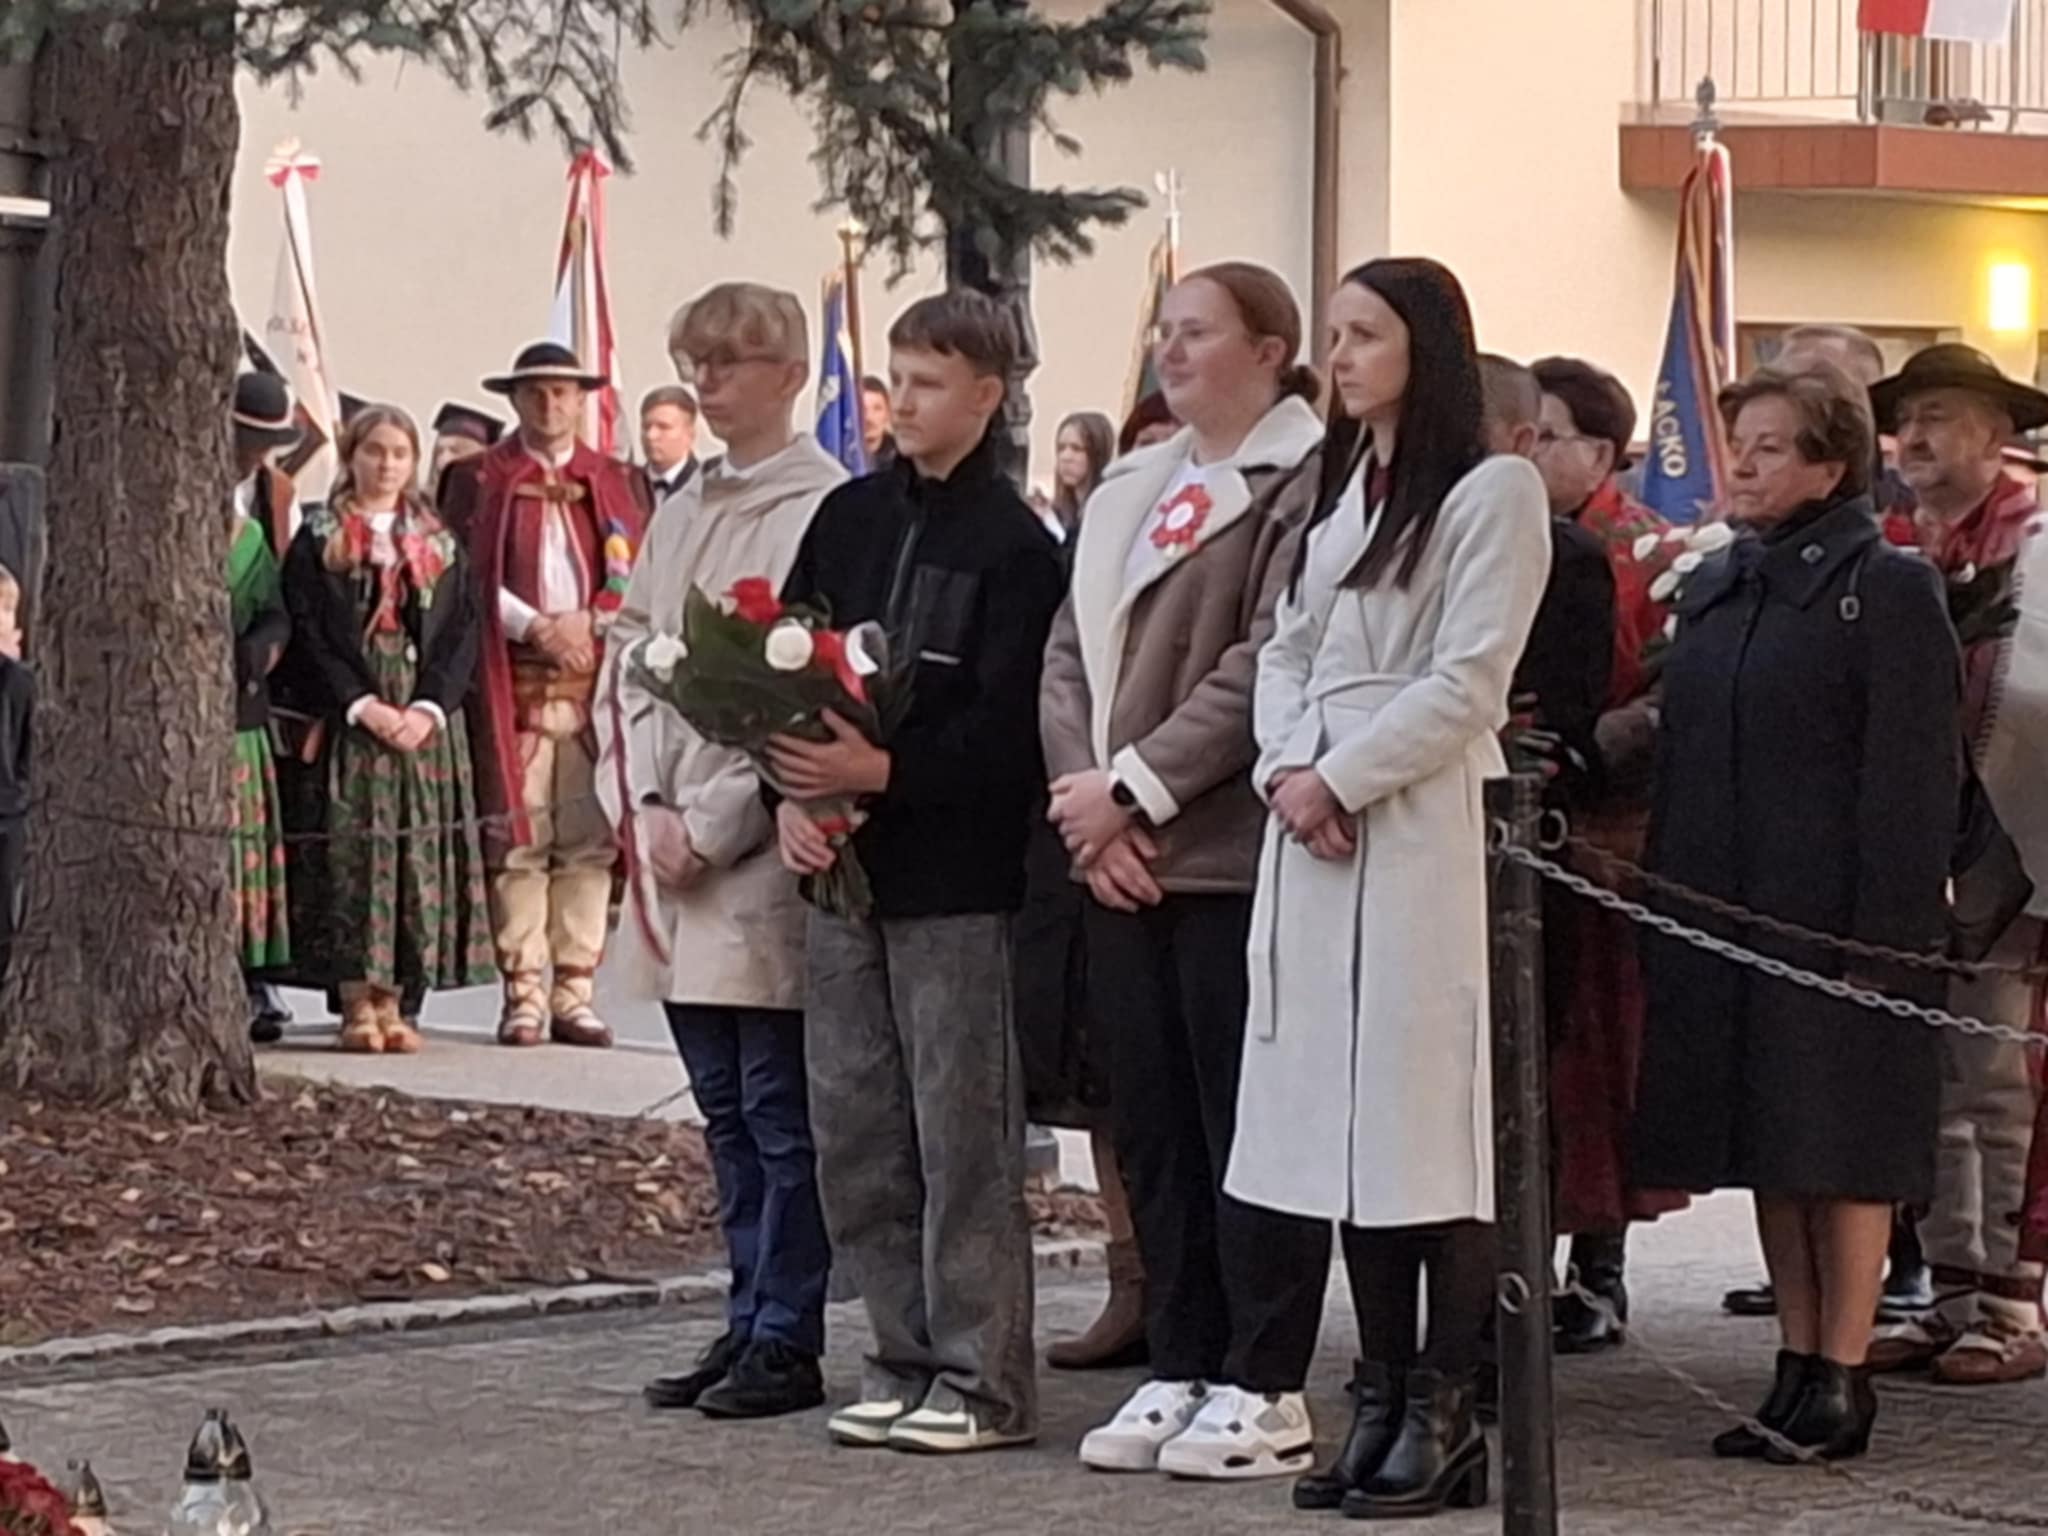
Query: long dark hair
x=1441 y=434
x=1098 y=436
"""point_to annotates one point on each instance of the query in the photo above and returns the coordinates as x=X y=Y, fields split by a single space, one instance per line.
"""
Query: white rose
x=1662 y=588
x=1709 y=537
x=789 y=647
x=659 y=654
x=866 y=645
x=1688 y=562
x=1646 y=546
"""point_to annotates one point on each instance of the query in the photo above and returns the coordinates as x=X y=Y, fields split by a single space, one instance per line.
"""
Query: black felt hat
x=263 y=410
x=1952 y=365
x=455 y=419
x=544 y=360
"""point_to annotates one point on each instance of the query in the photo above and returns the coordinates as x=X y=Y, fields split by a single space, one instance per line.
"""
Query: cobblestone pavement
x=541 y=1431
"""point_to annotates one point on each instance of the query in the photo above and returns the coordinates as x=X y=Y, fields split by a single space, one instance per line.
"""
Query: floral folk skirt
x=262 y=915
x=407 y=905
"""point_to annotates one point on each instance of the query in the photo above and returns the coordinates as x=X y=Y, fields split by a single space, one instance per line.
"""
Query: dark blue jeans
x=746 y=1069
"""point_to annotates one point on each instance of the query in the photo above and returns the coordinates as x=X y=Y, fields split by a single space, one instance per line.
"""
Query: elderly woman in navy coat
x=1807 y=769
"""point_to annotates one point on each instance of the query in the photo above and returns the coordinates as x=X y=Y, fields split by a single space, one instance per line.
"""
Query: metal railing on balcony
x=1809 y=58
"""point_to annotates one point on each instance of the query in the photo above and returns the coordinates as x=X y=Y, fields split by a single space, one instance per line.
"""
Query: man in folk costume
x=1586 y=423
x=1952 y=413
x=552 y=527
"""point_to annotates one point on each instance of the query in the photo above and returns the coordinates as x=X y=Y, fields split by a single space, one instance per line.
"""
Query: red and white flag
x=1959 y=21
x=582 y=317
x=294 y=334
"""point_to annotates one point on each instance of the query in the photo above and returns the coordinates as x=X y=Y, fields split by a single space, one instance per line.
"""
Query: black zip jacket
x=962 y=574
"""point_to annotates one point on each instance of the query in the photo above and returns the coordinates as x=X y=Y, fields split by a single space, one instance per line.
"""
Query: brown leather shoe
x=1116 y=1339
x=525 y=1012
x=584 y=1028
x=1991 y=1355
x=1913 y=1345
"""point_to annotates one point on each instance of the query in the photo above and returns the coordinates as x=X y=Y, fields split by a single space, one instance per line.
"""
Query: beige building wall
x=1504 y=161
x=436 y=241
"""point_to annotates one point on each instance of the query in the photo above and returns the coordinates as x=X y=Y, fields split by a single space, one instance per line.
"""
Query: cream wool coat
x=736 y=936
x=1367 y=1088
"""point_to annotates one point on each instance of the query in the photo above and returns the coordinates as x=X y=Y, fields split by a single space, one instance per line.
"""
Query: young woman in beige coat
x=1146 y=711
x=714 y=928
x=1366 y=1071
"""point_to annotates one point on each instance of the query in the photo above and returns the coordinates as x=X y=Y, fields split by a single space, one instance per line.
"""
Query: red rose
x=754 y=600
x=828 y=654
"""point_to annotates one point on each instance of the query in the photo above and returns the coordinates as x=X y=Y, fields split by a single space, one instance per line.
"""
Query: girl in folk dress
x=382 y=599
x=256 y=607
x=1366 y=1067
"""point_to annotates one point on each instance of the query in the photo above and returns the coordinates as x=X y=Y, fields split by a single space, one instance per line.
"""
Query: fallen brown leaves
x=320 y=1196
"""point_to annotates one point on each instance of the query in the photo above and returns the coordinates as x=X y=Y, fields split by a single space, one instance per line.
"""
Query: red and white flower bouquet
x=750 y=668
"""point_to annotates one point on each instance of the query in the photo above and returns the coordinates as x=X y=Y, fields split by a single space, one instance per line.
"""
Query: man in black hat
x=552 y=527
x=266 y=423
x=460 y=432
x=1952 y=413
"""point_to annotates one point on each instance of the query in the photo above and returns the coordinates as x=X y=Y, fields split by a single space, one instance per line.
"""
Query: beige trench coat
x=736 y=936
x=1366 y=1094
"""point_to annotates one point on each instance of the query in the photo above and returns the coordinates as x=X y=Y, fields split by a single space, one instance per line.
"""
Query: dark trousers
x=1386 y=1267
x=1234 y=1292
x=13 y=887
x=746 y=1069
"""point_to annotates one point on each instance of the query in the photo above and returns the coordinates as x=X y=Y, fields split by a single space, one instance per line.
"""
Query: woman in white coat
x=1365 y=1095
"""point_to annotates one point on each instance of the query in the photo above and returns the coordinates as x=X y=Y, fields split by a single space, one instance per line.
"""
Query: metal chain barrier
x=1735 y=912
x=1798 y=976
x=226 y=833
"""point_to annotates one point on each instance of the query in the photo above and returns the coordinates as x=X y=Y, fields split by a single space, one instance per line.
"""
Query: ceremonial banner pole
x=853 y=254
x=294 y=335
x=582 y=316
x=1686 y=466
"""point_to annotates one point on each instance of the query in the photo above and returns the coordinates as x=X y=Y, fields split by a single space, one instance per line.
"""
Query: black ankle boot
x=1376 y=1397
x=1437 y=1459
x=1834 y=1414
x=1744 y=1443
x=1599 y=1261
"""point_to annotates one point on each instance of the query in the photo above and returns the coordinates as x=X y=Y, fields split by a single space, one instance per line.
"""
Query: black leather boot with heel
x=1834 y=1416
x=1745 y=1444
x=1437 y=1460
x=1376 y=1402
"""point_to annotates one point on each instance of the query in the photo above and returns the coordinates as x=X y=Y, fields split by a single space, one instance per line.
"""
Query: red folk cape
x=476 y=502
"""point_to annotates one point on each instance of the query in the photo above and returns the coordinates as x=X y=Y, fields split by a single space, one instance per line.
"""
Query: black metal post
x=1521 y=1105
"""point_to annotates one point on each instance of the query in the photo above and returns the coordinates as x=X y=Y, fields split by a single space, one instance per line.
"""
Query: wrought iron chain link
x=1798 y=976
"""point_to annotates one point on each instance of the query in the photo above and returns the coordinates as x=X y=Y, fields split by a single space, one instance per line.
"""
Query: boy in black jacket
x=916 y=1095
x=17 y=701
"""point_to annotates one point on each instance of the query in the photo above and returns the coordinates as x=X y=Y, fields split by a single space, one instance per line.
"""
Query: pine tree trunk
x=126 y=988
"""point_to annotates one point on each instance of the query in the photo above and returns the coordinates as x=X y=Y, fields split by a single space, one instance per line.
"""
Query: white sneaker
x=948 y=1433
x=1153 y=1415
x=1240 y=1434
x=866 y=1424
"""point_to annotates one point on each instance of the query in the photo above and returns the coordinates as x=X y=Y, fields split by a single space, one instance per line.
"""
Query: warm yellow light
x=2012 y=297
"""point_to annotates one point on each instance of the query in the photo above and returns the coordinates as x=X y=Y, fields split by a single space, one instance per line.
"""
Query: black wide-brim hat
x=263 y=411
x=1952 y=365
x=542 y=361
x=455 y=419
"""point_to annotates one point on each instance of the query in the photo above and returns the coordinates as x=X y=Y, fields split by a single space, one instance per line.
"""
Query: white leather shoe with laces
x=1149 y=1418
x=1240 y=1434
x=943 y=1432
